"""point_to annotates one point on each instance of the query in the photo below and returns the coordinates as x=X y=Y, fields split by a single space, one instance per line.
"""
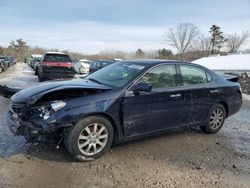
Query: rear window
x=56 y=58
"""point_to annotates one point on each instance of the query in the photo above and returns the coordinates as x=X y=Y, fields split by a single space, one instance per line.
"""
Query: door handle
x=175 y=96
x=214 y=91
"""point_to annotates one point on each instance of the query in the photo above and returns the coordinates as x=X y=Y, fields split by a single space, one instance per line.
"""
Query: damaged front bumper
x=33 y=132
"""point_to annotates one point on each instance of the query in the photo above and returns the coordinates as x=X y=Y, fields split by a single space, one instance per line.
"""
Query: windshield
x=116 y=75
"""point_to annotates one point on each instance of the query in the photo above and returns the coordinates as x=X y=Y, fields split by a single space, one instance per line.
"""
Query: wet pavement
x=187 y=158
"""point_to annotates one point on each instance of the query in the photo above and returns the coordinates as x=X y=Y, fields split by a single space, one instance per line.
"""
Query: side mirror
x=146 y=87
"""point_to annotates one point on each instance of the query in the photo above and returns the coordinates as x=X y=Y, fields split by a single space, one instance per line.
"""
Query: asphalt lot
x=185 y=158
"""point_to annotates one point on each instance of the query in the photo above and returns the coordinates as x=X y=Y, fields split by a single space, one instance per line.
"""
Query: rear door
x=199 y=85
x=166 y=106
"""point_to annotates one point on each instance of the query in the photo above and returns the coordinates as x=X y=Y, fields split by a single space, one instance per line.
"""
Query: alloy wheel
x=93 y=139
x=216 y=118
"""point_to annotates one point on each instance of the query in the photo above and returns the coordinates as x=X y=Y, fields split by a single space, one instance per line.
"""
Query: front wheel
x=90 y=138
x=216 y=119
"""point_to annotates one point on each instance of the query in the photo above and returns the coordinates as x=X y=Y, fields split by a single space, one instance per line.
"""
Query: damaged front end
x=39 y=112
x=36 y=122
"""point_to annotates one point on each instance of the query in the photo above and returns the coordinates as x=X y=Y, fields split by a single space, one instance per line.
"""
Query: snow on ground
x=237 y=62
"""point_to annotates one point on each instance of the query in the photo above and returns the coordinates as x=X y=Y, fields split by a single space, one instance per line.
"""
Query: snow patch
x=238 y=62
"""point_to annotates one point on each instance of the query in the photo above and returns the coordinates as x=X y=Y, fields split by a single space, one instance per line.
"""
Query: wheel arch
x=225 y=105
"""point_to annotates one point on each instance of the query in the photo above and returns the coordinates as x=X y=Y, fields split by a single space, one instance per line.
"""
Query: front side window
x=192 y=75
x=162 y=76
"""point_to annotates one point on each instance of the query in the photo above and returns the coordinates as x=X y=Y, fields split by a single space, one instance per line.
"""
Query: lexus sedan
x=121 y=102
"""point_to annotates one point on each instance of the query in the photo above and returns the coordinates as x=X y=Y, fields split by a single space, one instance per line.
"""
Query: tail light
x=239 y=89
x=58 y=64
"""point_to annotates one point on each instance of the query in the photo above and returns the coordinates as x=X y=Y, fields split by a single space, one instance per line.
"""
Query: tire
x=216 y=119
x=40 y=78
x=36 y=71
x=90 y=138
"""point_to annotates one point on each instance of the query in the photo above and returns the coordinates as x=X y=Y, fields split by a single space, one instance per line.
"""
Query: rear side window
x=192 y=75
x=56 y=58
x=162 y=76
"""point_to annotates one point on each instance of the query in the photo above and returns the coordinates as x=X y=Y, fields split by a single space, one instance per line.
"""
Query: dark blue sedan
x=124 y=101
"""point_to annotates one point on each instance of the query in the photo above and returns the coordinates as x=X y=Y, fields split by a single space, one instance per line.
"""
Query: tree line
x=189 y=42
x=187 y=38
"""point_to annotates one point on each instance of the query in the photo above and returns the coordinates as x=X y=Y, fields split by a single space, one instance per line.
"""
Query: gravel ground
x=185 y=158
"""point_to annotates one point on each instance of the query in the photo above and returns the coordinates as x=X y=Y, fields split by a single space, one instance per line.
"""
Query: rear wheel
x=216 y=119
x=90 y=138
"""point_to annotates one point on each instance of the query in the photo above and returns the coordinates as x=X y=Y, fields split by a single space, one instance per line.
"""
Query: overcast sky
x=90 y=26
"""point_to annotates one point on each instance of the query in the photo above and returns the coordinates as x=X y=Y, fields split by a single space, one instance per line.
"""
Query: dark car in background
x=12 y=60
x=99 y=64
x=2 y=66
x=6 y=62
x=124 y=101
x=55 y=65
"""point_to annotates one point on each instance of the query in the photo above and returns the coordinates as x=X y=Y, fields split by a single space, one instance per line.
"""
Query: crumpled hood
x=31 y=94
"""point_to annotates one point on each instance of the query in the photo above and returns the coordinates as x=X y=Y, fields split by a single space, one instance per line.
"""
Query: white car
x=82 y=66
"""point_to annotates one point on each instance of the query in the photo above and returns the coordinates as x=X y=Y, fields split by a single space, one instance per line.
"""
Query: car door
x=199 y=85
x=164 y=107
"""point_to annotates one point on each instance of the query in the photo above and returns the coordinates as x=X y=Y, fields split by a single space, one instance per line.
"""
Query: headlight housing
x=57 y=105
x=47 y=110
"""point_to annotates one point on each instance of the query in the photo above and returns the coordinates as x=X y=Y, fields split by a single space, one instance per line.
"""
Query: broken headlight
x=47 y=110
x=57 y=105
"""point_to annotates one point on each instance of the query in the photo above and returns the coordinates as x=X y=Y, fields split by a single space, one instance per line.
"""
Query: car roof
x=152 y=61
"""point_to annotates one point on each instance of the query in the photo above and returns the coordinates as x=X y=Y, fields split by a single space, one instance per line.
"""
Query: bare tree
x=202 y=45
x=235 y=41
x=181 y=37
